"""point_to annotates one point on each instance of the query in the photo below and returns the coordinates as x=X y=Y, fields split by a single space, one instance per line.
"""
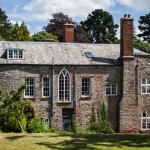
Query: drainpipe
x=136 y=82
x=53 y=104
x=74 y=89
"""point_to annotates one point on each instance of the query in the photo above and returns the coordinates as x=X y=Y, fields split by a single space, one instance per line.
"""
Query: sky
x=35 y=13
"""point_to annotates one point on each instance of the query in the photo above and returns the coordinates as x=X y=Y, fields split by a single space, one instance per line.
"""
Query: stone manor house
x=68 y=78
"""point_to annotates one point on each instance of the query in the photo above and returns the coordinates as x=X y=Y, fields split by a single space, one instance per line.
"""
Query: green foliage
x=5 y=26
x=37 y=126
x=44 y=36
x=14 y=112
x=1 y=38
x=100 y=27
x=144 y=27
x=20 y=33
x=29 y=111
x=93 y=119
x=145 y=47
x=75 y=124
x=100 y=124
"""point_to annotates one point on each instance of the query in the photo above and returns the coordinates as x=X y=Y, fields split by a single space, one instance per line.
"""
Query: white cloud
x=136 y=4
x=14 y=22
x=42 y=10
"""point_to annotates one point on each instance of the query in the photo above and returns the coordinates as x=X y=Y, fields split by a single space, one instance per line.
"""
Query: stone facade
x=124 y=69
x=100 y=76
x=13 y=76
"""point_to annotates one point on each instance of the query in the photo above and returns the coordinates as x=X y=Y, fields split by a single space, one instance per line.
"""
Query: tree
x=5 y=26
x=20 y=33
x=56 y=27
x=143 y=46
x=25 y=34
x=14 y=111
x=44 y=36
x=144 y=27
x=81 y=35
x=100 y=27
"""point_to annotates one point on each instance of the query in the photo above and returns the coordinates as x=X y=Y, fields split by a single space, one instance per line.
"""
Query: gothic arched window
x=64 y=86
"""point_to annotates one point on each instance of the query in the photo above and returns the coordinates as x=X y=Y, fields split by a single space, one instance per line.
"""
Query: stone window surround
x=15 y=54
x=29 y=85
x=47 y=96
x=110 y=88
x=64 y=101
x=89 y=91
x=146 y=85
x=146 y=118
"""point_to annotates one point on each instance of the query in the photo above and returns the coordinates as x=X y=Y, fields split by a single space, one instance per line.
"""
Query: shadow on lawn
x=15 y=137
x=92 y=142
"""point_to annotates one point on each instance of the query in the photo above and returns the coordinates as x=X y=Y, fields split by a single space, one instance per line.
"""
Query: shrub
x=10 y=123
x=15 y=113
x=75 y=124
x=37 y=126
x=29 y=111
x=100 y=124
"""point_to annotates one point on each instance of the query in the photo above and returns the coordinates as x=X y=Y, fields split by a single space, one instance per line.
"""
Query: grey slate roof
x=63 y=53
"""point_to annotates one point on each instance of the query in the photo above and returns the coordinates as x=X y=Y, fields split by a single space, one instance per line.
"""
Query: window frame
x=144 y=118
x=43 y=88
x=64 y=101
x=84 y=96
x=29 y=96
x=146 y=85
x=111 y=89
x=15 y=54
x=44 y=121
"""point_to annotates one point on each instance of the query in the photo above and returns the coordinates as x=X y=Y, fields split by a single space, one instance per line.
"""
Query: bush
x=101 y=123
x=10 y=123
x=75 y=124
x=29 y=111
x=37 y=126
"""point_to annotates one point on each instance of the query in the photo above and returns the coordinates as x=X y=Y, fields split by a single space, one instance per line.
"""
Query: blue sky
x=35 y=13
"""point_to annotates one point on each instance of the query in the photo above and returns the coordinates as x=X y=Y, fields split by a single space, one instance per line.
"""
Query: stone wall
x=100 y=76
x=133 y=102
x=12 y=77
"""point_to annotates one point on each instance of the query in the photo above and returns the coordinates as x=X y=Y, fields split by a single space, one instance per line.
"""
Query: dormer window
x=15 y=54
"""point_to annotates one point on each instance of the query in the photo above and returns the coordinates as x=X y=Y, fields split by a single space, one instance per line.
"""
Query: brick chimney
x=126 y=39
x=69 y=33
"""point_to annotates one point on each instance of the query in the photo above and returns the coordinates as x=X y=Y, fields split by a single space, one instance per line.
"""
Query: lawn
x=51 y=141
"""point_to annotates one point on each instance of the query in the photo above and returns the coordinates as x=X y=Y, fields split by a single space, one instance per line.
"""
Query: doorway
x=67 y=114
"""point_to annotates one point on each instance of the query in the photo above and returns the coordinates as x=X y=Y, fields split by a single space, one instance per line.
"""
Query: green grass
x=66 y=141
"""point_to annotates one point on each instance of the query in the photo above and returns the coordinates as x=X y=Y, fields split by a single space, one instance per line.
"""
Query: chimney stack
x=69 y=33
x=126 y=39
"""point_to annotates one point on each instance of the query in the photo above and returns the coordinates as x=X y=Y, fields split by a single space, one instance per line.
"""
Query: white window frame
x=110 y=86
x=30 y=96
x=146 y=85
x=13 y=51
x=46 y=87
x=64 y=101
x=45 y=121
x=146 y=119
x=83 y=95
